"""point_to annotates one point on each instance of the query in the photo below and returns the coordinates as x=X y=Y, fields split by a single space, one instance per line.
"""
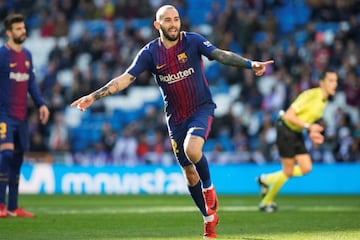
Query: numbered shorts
x=14 y=131
x=198 y=124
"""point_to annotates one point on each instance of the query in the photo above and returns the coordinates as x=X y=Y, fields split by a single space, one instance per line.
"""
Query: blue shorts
x=198 y=124
x=14 y=131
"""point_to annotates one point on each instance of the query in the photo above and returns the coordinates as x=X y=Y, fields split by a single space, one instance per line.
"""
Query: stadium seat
x=96 y=27
x=300 y=38
x=79 y=139
x=138 y=23
x=324 y=26
x=286 y=18
x=209 y=145
x=119 y=24
x=259 y=36
x=302 y=12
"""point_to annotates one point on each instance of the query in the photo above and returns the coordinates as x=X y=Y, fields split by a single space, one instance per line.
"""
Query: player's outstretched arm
x=236 y=60
x=113 y=86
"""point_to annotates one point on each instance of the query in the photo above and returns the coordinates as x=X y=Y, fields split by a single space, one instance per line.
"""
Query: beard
x=168 y=37
x=19 y=40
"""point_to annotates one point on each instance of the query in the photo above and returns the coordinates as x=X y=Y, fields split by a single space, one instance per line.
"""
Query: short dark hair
x=325 y=71
x=11 y=19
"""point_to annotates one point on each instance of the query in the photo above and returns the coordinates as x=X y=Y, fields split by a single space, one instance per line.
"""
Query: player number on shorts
x=2 y=129
x=174 y=145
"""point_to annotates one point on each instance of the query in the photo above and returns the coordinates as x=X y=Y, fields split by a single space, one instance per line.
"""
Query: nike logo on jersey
x=12 y=65
x=160 y=66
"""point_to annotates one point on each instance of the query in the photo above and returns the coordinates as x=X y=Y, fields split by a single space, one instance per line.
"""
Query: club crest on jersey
x=182 y=58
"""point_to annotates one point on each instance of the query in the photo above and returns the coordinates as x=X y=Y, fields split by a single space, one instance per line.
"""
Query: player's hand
x=260 y=67
x=315 y=133
x=83 y=103
x=44 y=114
x=316 y=137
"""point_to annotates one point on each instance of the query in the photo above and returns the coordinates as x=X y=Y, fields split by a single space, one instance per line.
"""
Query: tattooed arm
x=113 y=86
x=229 y=58
x=233 y=59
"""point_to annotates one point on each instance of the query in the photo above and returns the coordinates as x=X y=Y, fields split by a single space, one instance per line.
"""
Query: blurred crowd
x=95 y=40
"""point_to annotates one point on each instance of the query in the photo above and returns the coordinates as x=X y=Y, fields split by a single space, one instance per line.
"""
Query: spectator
x=59 y=138
x=125 y=148
x=111 y=49
x=108 y=137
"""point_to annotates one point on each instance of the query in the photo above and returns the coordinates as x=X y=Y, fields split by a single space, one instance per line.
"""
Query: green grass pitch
x=174 y=217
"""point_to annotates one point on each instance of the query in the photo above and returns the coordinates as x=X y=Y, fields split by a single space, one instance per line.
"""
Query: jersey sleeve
x=205 y=46
x=300 y=101
x=141 y=62
x=33 y=89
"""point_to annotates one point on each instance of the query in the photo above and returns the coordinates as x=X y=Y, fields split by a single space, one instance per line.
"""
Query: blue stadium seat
x=212 y=73
x=227 y=143
x=259 y=37
x=209 y=145
x=302 y=12
x=119 y=24
x=331 y=26
x=124 y=117
x=95 y=134
x=285 y=44
x=300 y=38
x=79 y=139
x=286 y=18
x=96 y=27
x=137 y=23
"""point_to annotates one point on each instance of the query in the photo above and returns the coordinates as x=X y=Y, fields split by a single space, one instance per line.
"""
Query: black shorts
x=289 y=142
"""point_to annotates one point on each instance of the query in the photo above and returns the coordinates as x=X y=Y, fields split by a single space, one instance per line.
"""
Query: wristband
x=307 y=125
x=249 y=64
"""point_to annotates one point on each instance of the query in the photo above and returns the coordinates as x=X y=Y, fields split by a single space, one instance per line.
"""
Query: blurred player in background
x=17 y=79
x=175 y=61
x=307 y=108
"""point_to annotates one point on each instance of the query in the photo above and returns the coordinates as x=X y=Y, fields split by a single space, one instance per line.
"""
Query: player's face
x=329 y=83
x=18 y=33
x=170 y=24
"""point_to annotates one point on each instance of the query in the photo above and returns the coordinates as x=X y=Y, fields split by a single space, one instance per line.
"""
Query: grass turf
x=110 y=217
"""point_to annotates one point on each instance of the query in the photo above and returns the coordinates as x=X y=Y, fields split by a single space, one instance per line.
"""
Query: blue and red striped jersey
x=16 y=80
x=179 y=73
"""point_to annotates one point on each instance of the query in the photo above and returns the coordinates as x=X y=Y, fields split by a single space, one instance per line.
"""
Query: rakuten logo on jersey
x=180 y=75
x=19 y=77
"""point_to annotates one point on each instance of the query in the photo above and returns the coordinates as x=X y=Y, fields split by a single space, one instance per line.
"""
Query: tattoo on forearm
x=105 y=90
x=102 y=92
x=112 y=87
x=229 y=58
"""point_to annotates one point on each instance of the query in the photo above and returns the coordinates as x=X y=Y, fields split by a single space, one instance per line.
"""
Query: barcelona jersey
x=179 y=73
x=16 y=80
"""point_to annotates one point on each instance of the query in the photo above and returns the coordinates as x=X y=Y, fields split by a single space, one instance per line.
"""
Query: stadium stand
x=301 y=38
